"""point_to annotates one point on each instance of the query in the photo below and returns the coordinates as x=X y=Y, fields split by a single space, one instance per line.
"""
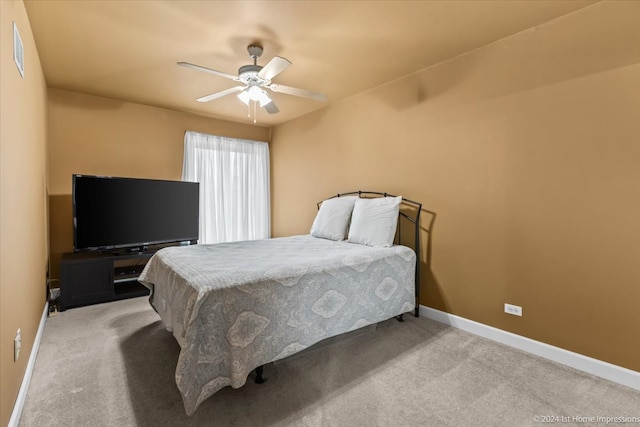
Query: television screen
x=111 y=213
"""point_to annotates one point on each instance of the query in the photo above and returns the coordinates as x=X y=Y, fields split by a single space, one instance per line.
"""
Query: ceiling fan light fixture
x=244 y=97
x=263 y=98
x=254 y=93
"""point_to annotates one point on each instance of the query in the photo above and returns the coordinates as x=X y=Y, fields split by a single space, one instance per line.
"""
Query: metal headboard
x=415 y=219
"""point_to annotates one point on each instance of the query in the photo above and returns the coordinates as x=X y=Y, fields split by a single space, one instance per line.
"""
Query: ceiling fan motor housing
x=248 y=74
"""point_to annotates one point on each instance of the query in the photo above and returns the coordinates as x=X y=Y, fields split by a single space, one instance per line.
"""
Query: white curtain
x=234 y=186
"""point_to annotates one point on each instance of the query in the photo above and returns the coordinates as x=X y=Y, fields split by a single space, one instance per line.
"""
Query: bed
x=234 y=307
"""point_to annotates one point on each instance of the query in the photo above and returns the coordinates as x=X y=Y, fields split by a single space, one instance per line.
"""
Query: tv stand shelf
x=92 y=277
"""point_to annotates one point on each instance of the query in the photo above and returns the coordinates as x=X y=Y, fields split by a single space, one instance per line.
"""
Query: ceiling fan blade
x=208 y=70
x=271 y=108
x=274 y=67
x=220 y=94
x=298 y=92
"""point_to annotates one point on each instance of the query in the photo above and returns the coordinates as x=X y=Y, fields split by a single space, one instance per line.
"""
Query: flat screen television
x=111 y=213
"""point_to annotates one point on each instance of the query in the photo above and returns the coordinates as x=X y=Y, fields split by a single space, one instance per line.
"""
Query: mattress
x=235 y=306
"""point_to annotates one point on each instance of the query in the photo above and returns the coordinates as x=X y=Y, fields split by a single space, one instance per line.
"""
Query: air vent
x=18 y=50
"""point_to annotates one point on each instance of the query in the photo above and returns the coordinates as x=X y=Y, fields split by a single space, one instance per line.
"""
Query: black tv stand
x=95 y=277
x=146 y=249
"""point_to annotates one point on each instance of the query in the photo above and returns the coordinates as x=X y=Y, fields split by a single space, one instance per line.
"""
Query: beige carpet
x=113 y=365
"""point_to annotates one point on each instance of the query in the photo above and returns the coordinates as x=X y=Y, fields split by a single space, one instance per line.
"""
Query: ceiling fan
x=255 y=79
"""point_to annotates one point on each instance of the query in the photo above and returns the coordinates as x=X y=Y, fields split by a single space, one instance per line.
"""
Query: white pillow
x=374 y=221
x=332 y=220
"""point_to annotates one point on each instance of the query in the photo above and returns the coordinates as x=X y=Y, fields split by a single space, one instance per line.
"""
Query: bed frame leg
x=259 y=378
x=400 y=317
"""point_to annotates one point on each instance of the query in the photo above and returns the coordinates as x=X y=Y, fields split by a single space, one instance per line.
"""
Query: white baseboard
x=24 y=387
x=592 y=366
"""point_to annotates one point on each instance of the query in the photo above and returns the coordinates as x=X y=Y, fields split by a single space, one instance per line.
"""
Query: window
x=234 y=186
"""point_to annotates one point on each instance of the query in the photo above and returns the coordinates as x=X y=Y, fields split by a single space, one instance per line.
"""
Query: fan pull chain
x=255 y=111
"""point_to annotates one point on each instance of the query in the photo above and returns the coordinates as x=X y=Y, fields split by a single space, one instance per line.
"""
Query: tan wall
x=527 y=150
x=98 y=136
x=23 y=209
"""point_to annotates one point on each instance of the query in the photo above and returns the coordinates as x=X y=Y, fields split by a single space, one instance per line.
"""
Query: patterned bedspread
x=236 y=306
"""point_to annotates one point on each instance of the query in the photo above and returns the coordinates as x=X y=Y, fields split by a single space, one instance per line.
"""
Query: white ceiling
x=127 y=50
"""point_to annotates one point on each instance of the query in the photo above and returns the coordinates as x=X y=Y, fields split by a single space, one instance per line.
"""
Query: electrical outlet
x=17 y=343
x=516 y=310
